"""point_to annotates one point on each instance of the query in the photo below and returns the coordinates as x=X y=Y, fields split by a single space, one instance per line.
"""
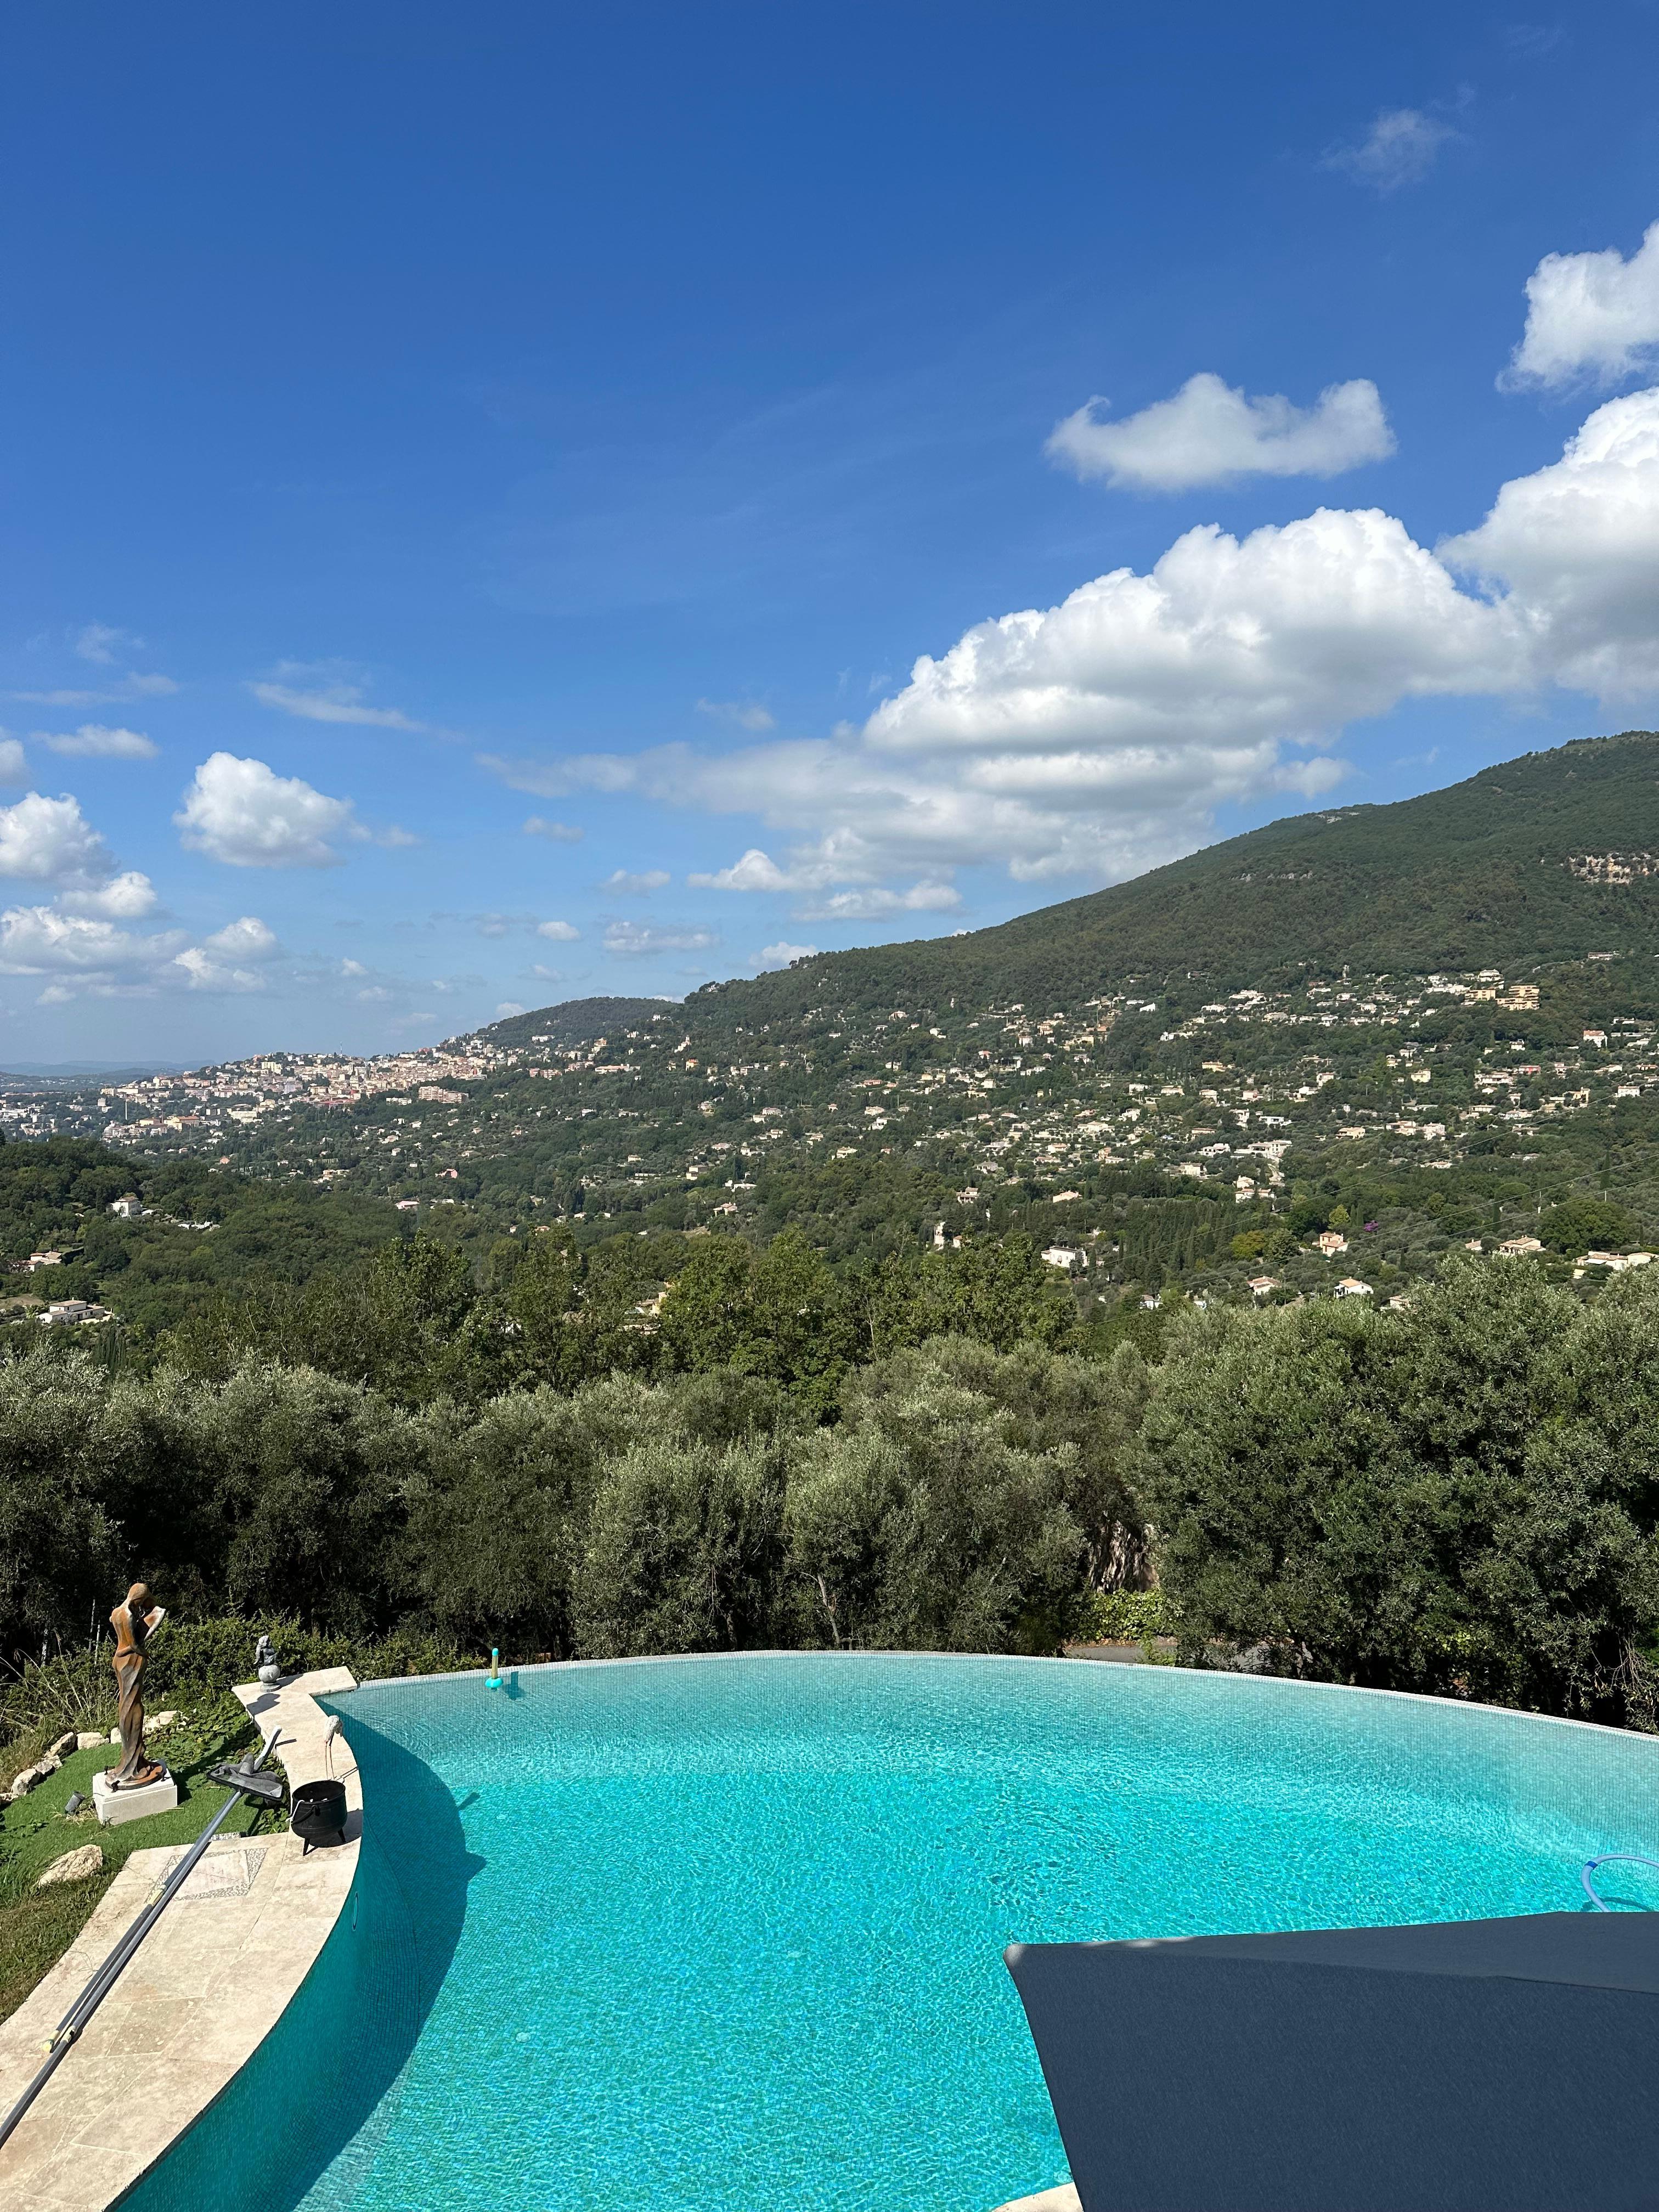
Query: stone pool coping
x=207 y=1984
x=1062 y=2198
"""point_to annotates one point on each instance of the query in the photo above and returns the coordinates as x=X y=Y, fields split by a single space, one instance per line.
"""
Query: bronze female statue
x=134 y=1626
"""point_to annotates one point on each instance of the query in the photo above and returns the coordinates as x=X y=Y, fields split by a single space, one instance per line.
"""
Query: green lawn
x=37 y=1926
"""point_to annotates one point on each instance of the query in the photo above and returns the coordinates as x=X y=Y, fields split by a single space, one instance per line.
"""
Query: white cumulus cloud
x=126 y=897
x=780 y=955
x=1211 y=433
x=559 y=833
x=42 y=940
x=49 y=839
x=562 y=932
x=754 y=871
x=77 y=940
x=202 y=972
x=1098 y=737
x=246 y=939
x=1589 y=315
x=94 y=741
x=240 y=812
x=1574 y=547
x=1228 y=644
x=78 y=943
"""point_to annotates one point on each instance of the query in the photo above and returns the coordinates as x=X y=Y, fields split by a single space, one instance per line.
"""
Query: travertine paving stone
x=209 y=1984
x=1065 y=2198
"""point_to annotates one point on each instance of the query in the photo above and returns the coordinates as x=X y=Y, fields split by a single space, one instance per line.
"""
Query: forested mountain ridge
x=1497 y=871
x=1168 y=1084
x=1549 y=857
x=576 y=1021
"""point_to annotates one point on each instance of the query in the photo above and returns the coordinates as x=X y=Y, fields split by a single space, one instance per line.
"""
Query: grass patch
x=37 y=1926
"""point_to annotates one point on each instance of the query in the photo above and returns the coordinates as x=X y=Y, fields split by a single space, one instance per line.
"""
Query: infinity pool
x=722 y=1933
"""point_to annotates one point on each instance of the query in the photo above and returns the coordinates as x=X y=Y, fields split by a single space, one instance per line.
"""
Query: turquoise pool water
x=716 y=1934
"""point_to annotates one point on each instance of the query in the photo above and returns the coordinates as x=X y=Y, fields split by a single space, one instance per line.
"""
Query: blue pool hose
x=1607 y=1858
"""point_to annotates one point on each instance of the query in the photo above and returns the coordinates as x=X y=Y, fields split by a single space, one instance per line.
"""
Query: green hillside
x=1480 y=874
x=578 y=1021
x=1473 y=875
x=1176 y=1074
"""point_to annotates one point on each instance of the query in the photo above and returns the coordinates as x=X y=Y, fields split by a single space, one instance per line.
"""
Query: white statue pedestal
x=116 y=1806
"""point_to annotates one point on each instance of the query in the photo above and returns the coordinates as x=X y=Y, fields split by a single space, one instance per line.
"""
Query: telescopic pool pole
x=243 y=1780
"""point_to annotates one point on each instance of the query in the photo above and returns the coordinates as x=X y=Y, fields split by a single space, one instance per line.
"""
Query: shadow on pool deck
x=316 y=2091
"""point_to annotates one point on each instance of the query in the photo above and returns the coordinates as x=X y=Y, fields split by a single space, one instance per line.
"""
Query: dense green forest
x=1462 y=1498
x=205 y=1235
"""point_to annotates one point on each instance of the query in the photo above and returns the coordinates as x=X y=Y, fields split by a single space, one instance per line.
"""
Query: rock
x=65 y=1745
x=74 y=1866
x=23 y=1782
x=89 y=1739
x=115 y=1736
x=162 y=1721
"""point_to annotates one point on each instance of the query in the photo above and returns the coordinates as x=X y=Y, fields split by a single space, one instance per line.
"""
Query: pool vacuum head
x=255 y=1782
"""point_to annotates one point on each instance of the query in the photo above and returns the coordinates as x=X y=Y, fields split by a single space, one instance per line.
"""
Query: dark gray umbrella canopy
x=1473 y=2066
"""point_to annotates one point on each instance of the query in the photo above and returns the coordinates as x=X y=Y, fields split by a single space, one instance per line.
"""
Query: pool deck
x=209 y=1984
x=1063 y=2198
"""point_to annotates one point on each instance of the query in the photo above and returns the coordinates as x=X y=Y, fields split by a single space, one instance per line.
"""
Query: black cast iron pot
x=317 y=1812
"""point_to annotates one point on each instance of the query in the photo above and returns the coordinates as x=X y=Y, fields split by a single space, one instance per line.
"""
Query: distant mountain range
x=78 y=1073
x=1551 y=857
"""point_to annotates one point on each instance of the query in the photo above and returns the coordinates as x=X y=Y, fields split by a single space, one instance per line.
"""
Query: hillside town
x=1245 y=1099
x=1072 y=1103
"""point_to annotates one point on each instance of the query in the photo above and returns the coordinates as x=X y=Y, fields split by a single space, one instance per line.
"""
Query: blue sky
x=420 y=424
